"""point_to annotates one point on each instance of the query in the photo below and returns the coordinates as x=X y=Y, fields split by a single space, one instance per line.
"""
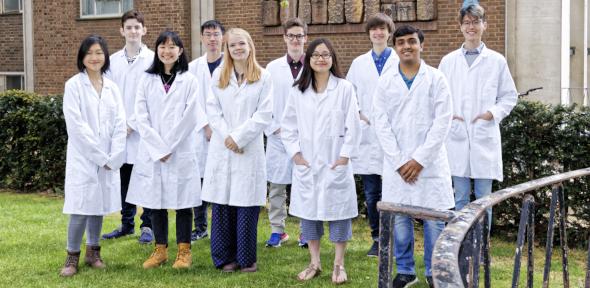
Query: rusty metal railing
x=465 y=239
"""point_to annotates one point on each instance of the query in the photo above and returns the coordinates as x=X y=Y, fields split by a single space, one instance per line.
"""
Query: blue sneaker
x=118 y=233
x=302 y=242
x=276 y=239
x=147 y=236
x=198 y=235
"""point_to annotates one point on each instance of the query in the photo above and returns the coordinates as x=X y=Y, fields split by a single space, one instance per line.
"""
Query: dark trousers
x=128 y=210
x=372 y=187
x=200 y=213
x=233 y=235
x=183 y=225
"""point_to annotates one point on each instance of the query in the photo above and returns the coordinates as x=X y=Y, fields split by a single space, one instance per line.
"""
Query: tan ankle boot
x=158 y=257
x=184 y=258
x=92 y=257
x=71 y=266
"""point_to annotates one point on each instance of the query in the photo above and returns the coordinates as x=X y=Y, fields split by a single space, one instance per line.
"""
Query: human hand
x=231 y=145
x=208 y=133
x=129 y=130
x=106 y=167
x=364 y=118
x=342 y=161
x=165 y=158
x=487 y=116
x=277 y=132
x=455 y=117
x=410 y=171
x=299 y=160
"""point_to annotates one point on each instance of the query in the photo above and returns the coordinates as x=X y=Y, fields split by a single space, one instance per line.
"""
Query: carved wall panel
x=335 y=11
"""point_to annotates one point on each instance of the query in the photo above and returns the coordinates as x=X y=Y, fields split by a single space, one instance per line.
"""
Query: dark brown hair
x=294 y=22
x=132 y=14
x=378 y=20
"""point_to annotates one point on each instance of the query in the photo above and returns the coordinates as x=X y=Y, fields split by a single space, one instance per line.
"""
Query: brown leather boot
x=184 y=258
x=71 y=266
x=92 y=257
x=158 y=257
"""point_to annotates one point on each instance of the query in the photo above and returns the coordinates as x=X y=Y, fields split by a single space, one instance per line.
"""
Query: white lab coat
x=279 y=165
x=242 y=112
x=200 y=69
x=475 y=149
x=96 y=137
x=414 y=125
x=166 y=123
x=323 y=127
x=127 y=77
x=364 y=76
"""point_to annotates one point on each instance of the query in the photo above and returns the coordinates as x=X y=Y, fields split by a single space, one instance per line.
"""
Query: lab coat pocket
x=302 y=177
x=339 y=178
x=485 y=130
x=336 y=123
x=186 y=165
x=458 y=130
x=366 y=133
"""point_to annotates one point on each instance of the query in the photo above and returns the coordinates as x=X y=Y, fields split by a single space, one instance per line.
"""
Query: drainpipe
x=565 y=52
x=29 y=67
x=585 y=51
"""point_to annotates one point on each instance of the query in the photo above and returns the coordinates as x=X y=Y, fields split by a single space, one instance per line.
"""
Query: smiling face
x=211 y=39
x=473 y=28
x=133 y=31
x=94 y=58
x=408 y=48
x=379 y=35
x=238 y=47
x=168 y=53
x=321 y=59
x=295 y=38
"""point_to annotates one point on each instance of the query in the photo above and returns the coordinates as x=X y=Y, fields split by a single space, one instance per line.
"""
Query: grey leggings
x=78 y=223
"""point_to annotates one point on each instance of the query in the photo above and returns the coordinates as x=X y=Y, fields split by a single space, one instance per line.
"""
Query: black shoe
x=430 y=282
x=404 y=280
x=374 y=251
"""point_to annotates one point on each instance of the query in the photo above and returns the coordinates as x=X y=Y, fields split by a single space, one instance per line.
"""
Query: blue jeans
x=404 y=243
x=372 y=187
x=482 y=188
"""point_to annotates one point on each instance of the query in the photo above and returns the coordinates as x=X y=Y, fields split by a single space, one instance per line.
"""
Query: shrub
x=33 y=141
x=539 y=140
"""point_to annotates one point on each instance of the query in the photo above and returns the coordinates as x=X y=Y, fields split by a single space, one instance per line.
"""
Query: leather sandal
x=339 y=275
x=310 y=272
x=231 y=267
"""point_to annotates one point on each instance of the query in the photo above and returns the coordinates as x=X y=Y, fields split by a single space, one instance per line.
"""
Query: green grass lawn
x=33 y=239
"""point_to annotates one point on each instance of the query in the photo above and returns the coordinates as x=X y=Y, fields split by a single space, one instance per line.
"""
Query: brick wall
x=58 y=32
x=447 y=37
x=11 y=46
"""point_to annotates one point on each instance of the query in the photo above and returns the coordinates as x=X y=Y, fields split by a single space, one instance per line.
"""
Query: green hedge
x=538 y=140
x=32 y=141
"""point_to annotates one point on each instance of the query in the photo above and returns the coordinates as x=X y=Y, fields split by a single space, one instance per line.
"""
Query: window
x=11 y=6
x=104 y=8
x=11 y=81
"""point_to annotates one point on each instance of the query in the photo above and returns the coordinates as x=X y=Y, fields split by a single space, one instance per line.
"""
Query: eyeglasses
x=325 y=56
x=214 y=35
x=472 y=23
x=291 y=37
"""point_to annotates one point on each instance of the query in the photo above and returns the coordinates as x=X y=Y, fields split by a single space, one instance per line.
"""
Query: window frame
x=3 y=9
x=103 y=16
x=6 y=74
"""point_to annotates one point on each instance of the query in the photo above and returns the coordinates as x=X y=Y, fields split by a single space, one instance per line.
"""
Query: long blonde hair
x=253 y=69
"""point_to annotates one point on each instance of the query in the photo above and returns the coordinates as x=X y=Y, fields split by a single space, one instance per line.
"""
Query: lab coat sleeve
x=215 y=115
x=506 y=97
x=289 y=127
x=275 y=122
x=191 y=117
x=352 y=78
x=79 y=132
x=383 y=129
x=441 y=124
x=248 y=131
x=352 y=135
x=119 y=137
x=156 y=147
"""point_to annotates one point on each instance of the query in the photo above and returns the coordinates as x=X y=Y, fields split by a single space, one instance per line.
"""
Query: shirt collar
x=291 y=61
x=383 y=55
x=474 y=51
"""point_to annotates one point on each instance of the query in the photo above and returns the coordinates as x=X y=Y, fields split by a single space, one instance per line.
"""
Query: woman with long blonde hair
x=238 y=109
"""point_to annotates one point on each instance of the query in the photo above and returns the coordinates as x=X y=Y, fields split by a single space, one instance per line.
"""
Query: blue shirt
x=471 y=54
x=381 y=59
x=408 y=81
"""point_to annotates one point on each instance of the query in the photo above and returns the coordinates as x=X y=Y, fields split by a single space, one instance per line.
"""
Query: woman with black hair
x=166 y=173
x=95 y=121
x=321 y=132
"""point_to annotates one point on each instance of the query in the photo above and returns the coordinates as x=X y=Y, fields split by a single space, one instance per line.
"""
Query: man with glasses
x=483 y=94
x=202 y=68
x=364 y=73
x=284 y=71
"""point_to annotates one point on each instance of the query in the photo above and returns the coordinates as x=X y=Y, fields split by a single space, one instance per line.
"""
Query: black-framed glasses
x=295 y=36
x=325 y=56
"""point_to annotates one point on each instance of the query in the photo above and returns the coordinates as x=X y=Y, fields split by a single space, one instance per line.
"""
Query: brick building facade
x=58 y=29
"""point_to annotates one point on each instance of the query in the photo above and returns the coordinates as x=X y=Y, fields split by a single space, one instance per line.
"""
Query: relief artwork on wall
x=333 y=12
